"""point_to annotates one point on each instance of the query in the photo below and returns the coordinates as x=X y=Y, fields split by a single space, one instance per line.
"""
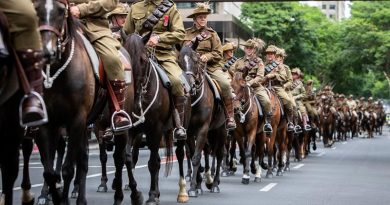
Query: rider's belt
x=153 y=18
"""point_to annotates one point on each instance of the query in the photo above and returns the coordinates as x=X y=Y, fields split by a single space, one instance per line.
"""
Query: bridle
x=60 y=34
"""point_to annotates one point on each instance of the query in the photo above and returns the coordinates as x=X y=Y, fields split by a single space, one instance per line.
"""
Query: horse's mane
x=136 y=48
x=74 y=25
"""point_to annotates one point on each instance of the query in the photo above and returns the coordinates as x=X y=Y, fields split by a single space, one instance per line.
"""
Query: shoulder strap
x=155 y=16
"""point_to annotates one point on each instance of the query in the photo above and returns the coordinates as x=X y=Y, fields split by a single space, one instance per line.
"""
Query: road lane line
x=321 y=154
x=298 y=166
x=333 y=148
x=268 y=187
x=90 y=176
x=344 y=143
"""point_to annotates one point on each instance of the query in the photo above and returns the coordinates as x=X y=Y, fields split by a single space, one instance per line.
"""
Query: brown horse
x=380 y=121
x=326 y=125
x=11 y=133
x=154 y=106
x=248 y=128
x=207 y=123
x=368 y=123
x=342 y=123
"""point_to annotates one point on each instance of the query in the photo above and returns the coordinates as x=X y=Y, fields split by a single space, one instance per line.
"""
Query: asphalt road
x=352 y=172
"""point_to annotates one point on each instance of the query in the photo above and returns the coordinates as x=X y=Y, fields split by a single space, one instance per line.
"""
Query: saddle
x=97 y=65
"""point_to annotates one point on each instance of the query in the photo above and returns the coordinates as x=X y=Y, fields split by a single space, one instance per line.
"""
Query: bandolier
x=228 y=58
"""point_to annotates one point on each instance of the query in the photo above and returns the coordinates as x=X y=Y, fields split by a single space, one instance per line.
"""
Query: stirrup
x=297 y=129
x=175 y=136
x=34 y=123
x=307 y=127
x=267 y=131
x=123 y=128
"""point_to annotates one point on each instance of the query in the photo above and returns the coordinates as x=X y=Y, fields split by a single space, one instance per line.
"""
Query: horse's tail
x=168 y=154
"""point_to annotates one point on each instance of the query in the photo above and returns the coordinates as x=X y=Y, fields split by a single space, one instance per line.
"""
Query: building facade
x=335 y=10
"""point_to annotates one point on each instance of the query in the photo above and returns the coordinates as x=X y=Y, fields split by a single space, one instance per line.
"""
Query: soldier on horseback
x=327 y=97
x=310 y=100
x=254 y=67
x=276 y=76
x=210 y=51
x=352 y=106
x=228 y=57
x=92 y=14
x=26 y=40
x=299 y=93
x=117 y=19
x=369 y=108
x=164 y=21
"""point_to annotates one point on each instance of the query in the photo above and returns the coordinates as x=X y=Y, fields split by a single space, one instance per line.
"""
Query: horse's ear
x=195 y=44
x=178 y=47
x=146 y=37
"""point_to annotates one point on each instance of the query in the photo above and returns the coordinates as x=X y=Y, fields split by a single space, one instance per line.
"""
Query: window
x=332 y=6
x=323 y=6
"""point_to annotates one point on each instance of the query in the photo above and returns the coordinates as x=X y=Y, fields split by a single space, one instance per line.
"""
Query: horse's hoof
x=74 y=195
x=269 y=175
x=314 y=147
x=118 y=202
x=224 y=174
x=215 y=190
x=199 y=191
x=182 y=198
x=31 y=202
x=154 y=201
x=127 y=187
x=188 y=178
x=42 y=200
x=295 y=159
x=234 y=169
x=287 y=169
x=102 y=188
x=137 y=198
x=257 y=180
x=209 y=186
x=264 y=165
x=193 y=193
x=279 y=173
x=274 y=169
x=245 y=181
x=113 y=185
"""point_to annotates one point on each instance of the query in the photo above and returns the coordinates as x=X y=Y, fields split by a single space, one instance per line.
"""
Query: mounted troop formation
x=71 y=67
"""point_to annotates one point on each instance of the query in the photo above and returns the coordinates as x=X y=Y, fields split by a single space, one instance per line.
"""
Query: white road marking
x=298 y=166
x=92 y=175
x=321 y=154
x=344 y=142
x=333 y=148
x=268 y=187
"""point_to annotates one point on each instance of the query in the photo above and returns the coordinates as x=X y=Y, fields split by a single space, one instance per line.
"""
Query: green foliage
x=351 y=55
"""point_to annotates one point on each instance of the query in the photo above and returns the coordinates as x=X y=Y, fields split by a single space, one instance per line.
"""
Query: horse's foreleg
x=119 y=161
x=27 y=195
x=182 y=197
x=136 y=196
x=9 y=170
x=154 y=168
x=195 y=187
x=251 y=137
x=221 y=133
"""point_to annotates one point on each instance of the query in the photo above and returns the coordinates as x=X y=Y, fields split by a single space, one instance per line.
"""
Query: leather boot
x=178 y=116
x=229 y=112
x=121 y=120
x=290 y=125
x=32 y=108
x=297 y=127
x=267 y=125
x=307 y=126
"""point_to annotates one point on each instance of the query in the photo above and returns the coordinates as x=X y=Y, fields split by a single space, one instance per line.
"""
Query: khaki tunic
x=299 y=93
x=211 y=47
x=93 y=16
x=309 y=101
x=254 y=78
x=23 y=24
x=171 y=34
x=278 y=77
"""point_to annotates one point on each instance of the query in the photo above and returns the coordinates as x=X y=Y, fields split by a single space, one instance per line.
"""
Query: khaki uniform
x=309 y=101
x=369 y=107
x=211 y=47
x=299 y=93
x=254 y=78
x=23 y=24
x=93 y=16
x=170 y=34
x=278 y=77
x=329 y=95
x=352 y=107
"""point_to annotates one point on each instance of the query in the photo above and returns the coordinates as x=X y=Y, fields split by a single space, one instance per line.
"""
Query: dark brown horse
x=154 y=106
x=326 y=125
x=368 y=123
x=207 y=123
x=11 y=133
x=70 y=97
x=247 y=114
